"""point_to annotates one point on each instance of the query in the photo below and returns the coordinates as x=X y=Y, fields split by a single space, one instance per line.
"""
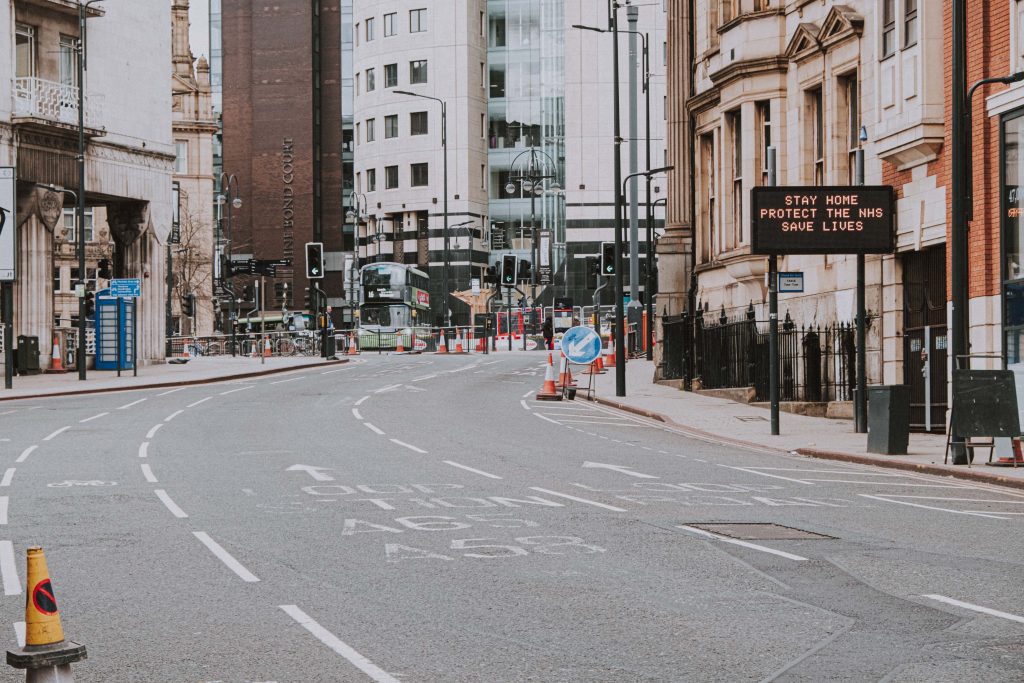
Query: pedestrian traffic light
x=188 y=305
x=509 y=262
x=607 y=258
x=104 y=271
x=314 y=260
x=90 y=304
x=524 y=274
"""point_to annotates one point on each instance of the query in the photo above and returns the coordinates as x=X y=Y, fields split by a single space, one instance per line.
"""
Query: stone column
x=33 y=291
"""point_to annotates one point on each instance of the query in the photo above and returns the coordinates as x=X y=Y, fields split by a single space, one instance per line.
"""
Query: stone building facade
x=128 y=157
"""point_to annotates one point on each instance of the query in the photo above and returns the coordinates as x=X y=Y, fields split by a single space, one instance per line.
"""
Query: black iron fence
x=817 y=363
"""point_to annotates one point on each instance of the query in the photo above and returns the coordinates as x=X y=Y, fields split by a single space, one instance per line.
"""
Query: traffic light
x=491 y=275
x=104 y=271
x=509 y=262
x=524 y=274
x=188 y=305
x=607 y=258
x=248 y=293
x=593 y=266
x=314 y=260
x=306 y=300
x=90 y=304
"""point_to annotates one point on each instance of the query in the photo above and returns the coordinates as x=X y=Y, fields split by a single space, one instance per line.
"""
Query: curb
x=183 y=383
x=941 y=471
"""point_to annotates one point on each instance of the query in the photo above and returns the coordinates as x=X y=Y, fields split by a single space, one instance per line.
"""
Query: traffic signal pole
x=620 y=347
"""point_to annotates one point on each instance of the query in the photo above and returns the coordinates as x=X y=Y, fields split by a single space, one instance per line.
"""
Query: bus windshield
x=384 y=316
x=383 y=276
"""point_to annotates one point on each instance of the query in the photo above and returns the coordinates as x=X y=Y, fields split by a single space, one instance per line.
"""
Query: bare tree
x=193 y=258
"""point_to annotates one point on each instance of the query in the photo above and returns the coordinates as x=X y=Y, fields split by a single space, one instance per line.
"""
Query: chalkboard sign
x=985 y=403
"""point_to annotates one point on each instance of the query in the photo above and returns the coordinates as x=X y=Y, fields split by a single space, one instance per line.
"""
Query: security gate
x=925 y=338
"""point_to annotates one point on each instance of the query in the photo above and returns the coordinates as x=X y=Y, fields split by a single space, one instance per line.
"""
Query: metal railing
x=52 y=100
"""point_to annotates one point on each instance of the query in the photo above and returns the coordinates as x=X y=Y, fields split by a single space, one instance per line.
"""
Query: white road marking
x=9 y=412
x=373 y=428
x=8 y=476
x=126 y=406
x=173 y=415
x=144 y=449
x=290 y=379
x=312 y=471
x=745 y=544
x=408 y=445
x=171 y=391
x=960 y=500
x=94 y=417
x=57 y=433
x=388 y=388
x=19 y=633
x=148 y=473
x=331 y=372
x=522 y=402
x=621 y=469
x=360 y=401
x=25 y=453
x=471 y=469
x=976 y=608
x=929 y=507
x=600 y=422
x=330 y=640
x=231 y=391
x=548 y=419
x=225 y=557
x=195 y=403
x=357 y=414
x=528 y=394
x=4 y=501
x=579 y=500
x=171 y=505
x=765 y=474
x=9 y=569
x=421 y=379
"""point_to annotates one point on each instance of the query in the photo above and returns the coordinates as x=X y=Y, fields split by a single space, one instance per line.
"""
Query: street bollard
x=46 y=656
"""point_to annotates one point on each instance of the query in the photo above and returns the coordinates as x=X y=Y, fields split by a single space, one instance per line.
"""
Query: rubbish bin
x=889 y=419
x=332 y=346
x=28 y=355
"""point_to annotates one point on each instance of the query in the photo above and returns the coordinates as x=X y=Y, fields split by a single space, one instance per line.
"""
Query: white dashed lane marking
x=226 y=557
x=170 y=504
x=407 y=445
x=373 y=428
x=56 y=433
x=94 y=417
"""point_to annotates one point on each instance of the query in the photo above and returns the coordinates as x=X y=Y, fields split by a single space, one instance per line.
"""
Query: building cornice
x=702 y=101
x=750 y=16
x=748 y=67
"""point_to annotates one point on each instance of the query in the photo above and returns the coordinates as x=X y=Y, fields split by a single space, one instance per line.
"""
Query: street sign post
x=126 y=288
x=581 y=345
x=8 y=266
x=791 y=283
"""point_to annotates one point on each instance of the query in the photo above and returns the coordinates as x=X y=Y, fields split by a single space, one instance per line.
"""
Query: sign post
x=773 y=310
x=8 y=265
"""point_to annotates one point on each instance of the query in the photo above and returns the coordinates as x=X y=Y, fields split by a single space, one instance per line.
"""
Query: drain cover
x=751 y=418
x=756 y=531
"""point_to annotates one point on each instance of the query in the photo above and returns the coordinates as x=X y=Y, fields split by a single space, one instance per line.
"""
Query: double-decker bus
x=394 y=303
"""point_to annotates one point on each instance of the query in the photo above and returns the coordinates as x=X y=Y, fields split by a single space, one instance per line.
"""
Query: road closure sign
x=823 y=220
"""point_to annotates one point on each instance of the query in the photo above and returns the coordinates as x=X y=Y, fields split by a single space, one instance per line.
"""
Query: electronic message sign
x=823 y=220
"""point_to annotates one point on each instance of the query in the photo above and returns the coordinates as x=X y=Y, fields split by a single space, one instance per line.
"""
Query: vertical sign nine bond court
x=823 y=220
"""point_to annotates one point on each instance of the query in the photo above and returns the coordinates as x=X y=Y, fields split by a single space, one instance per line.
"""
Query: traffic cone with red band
x=352 y=349
x=565 y=377
x=56 y=364
x=549 y=392
x=459 y=348
x=46 y=655
x=611 y=353
x=442 y=347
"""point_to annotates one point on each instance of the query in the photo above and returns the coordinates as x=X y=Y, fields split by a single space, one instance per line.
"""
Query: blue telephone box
x=115 y=332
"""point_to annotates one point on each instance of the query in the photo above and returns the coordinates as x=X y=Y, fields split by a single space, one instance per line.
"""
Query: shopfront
x=1011 y=211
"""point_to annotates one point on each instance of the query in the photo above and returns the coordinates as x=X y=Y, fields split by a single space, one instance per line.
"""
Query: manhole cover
x=751 y=418
x=753 y=531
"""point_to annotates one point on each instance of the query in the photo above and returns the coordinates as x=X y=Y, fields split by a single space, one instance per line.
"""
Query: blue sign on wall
x=581 y=345
x=126 y=288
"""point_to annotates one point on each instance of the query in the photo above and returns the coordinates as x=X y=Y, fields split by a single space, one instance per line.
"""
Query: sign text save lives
x=823 y=220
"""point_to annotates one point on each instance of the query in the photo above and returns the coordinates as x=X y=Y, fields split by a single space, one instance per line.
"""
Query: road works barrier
x=46 y=656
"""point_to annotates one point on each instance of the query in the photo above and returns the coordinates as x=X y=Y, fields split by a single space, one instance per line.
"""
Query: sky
x=199 y=30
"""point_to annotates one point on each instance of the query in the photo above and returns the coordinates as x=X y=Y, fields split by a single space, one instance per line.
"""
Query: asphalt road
x=422 y=518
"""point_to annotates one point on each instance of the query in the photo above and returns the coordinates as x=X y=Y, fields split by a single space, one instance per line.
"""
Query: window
x=371 y=180
x=709 y=197
x=418 y=71
x=848 y=89
x=888 y=28
x=68 y=69
x=371 y=130
x=390 y=75
x=418 y=123
x=390 y=177
x=729 y=10
x=389 y=24
x=764 y=127
x=497 y=82
x=909 y=23
x=497 y=31
x=761 y=5
x=90 y=278
x=25 y=51
x=391 y=126
x=181 y=156
x=816 y=116
x=734 y=120
x=371 y=80
x=369 y=29
x=57 y=286
x=420 y=175
x=69 y=223
x=417 y=20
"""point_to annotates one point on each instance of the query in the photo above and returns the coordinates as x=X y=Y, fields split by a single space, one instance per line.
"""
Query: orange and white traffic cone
x=459 y=348
x=266 y=347
x=442 y=347
x=46 y=655
x=565 y=377
x=352 y=349
x=548 y=391
x=611 y=353
x=399 y=346
x=56 y=364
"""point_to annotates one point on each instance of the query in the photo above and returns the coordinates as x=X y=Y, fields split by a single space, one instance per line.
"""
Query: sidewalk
x=746 y=425
x=197 y=371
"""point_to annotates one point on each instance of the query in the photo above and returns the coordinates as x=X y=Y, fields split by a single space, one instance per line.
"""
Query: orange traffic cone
x=399 y=346
x=46 y=655
x=56 y=364
x=611 y=353
x=459 y=348
x=266 y=347
x=352 y=350
x=565 y=377
x=549 y=392
x=443 y=346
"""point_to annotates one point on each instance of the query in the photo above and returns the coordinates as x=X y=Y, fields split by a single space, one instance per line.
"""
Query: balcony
x=47 y=102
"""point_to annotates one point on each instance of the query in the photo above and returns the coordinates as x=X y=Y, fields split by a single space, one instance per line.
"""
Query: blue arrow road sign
x=581 y=345
x=126 y=288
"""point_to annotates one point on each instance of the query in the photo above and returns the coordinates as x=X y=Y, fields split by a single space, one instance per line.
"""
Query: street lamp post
x=444 y=152
x=359 y=200
x=533 y=182
x=649 y=284
x=228 y=195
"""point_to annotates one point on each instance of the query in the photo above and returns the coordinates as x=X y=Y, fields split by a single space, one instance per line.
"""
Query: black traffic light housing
x=104 y=269
x=248 y=293
x=525 y=268
x=593 y=266
x=90 y=304
x=491 y=275
x=314 y=260
x=509 y=264
x=188 y=305
x=607 y=258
